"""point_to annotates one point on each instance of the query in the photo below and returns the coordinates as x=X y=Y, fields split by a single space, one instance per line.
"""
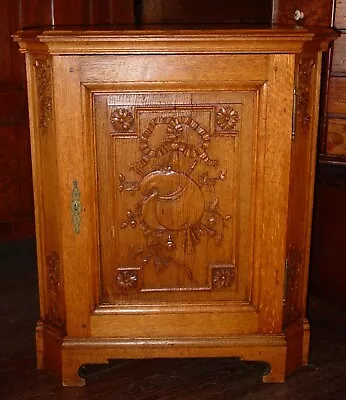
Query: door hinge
x=294 y=111
x=285 y=281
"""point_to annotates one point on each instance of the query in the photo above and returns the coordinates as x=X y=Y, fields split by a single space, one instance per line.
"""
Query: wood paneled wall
x=16 y=198
x=205 y=11
x=16 y=203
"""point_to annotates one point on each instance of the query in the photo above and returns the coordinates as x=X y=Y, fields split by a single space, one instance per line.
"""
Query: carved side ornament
x=295 y=259
x=53 y=288
x=44 y=91
x=306 y=74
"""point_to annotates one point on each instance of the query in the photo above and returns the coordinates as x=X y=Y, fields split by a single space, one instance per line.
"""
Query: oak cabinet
x=173 y=173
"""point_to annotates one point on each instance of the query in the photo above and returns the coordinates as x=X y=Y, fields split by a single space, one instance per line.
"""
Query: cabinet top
x=172 y=39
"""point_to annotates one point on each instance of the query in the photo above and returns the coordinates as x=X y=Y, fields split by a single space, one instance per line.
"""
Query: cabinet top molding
x=172 y=39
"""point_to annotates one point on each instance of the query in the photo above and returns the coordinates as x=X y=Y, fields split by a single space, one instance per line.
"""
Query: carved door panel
x=175 y=174
x=189 y=198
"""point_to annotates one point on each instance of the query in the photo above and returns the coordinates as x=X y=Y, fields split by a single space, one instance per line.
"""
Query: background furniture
x=328 y=262
x=16 y=198
x=16 y=202
x=332 y=147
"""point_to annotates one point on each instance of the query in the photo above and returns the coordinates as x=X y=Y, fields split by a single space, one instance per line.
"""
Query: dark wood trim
x=332 y=160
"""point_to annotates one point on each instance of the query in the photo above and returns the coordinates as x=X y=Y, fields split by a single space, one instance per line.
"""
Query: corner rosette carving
x=227 y=118
x=306 y=74
x=122 y=119
x=223 y=276
x=127 y=279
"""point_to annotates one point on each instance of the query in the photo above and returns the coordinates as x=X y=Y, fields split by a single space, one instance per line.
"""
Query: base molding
x=64 y=355
x=298 y=341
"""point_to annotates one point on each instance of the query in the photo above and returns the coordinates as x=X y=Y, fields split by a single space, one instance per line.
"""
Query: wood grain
x=327 y=244
x=340 y=14
x=194 y=11
x=165 y=216
x=275 y=191
x=16 y=202
x=316 y=13
x=337 y=95
x=339 y=55
x=111 y=12
x=77 y=321
x=336 y=137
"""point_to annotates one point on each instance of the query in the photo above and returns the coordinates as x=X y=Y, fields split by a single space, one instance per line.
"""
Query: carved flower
x=121 y=119
x=223 y=277
x=227 y=118
x=126 y=279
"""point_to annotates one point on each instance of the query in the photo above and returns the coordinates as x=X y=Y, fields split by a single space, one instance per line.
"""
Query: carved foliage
x=306 y=74
x=295 y=258
x=44 y=92
x=129 y=186
x=53 y=288
x=166 y=186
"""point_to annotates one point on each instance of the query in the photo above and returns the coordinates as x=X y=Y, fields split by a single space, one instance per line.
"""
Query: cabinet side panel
x=302 y=186
x=45 y=186
x=37 y=179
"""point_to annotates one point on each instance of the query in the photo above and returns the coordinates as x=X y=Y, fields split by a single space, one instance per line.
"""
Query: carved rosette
x=295 y=258
x=53 y=288
x=127 y=279
x=227 y=119
x=306 y=73
x=223 y=276
x=122 y=119
x=44 y=91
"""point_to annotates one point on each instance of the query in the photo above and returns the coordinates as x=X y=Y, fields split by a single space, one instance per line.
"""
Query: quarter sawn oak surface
x=173 y=173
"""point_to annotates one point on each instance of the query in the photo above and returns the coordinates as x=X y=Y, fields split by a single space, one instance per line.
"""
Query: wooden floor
x=199 y=379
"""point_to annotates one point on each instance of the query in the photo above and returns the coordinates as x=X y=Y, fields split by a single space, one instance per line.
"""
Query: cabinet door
x=175 y=174
x=191 y=157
